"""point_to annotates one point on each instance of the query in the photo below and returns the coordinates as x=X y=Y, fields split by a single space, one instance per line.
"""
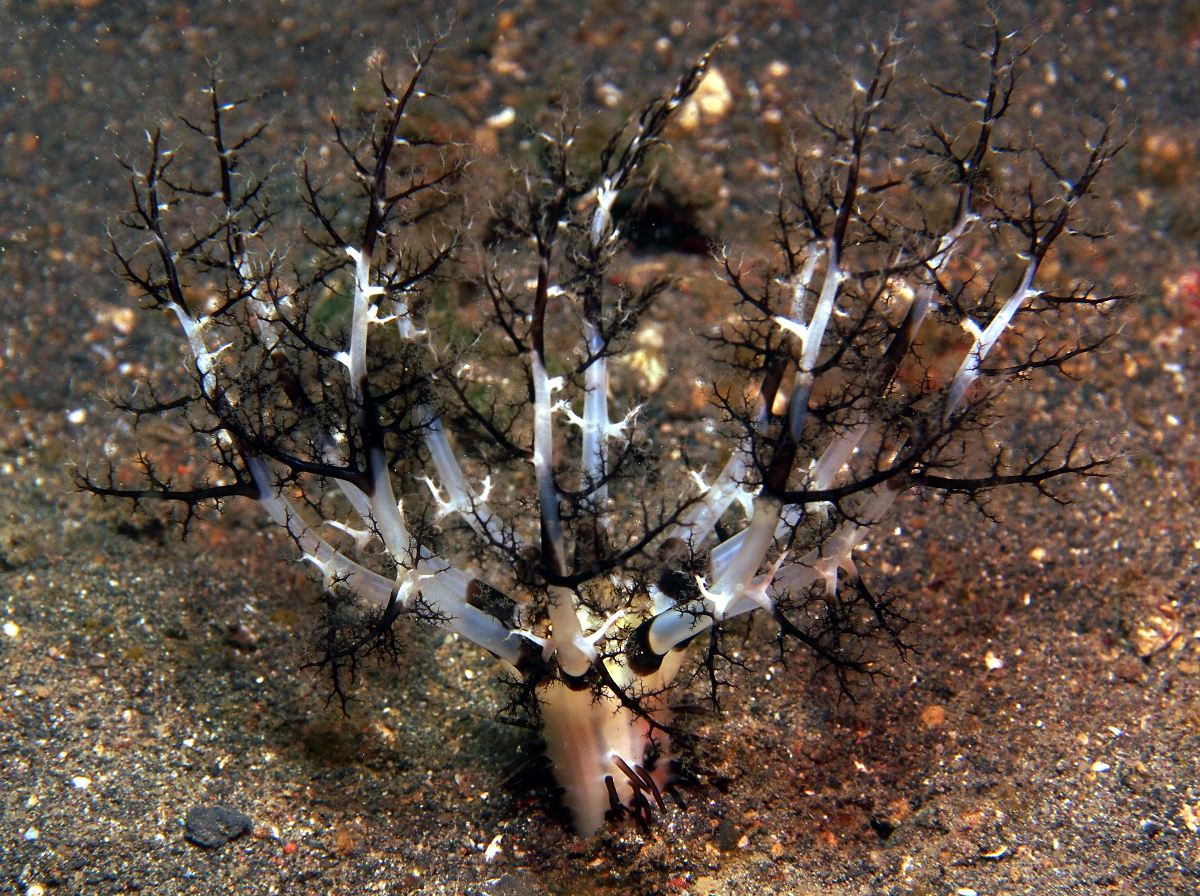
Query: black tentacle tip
x=616 y=810
x=639 y=655
x=589 y=679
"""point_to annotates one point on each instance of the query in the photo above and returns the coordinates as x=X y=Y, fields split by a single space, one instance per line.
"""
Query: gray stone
x=214 y=826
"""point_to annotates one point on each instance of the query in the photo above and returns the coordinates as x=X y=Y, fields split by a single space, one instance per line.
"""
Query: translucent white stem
x=461 y=497
x=757 y=540
x=594 y=463
x=543 y=459
x=701 y=517
x=606 y=194
x=815 y=332
x=443 y=587
x=385 y=510
x=357 y=360
x=968 y=371
x=835 y=552
x=575 y=653
x=568 y=638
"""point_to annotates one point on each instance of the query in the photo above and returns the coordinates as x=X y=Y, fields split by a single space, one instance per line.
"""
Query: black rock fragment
x=214 y=826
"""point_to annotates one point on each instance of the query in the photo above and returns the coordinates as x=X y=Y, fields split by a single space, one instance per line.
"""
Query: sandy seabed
x=1041 y=738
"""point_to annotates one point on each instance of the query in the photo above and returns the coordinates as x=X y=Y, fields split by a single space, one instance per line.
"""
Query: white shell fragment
x=494 y=852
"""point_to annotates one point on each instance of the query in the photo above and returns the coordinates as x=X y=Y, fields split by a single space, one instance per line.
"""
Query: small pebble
x=502 y=119
x=12 y=629
x=79 y=782
x=1100 y=766
x=712 y=101
x=608 y=94
x=1191 y=819
x=933 y=716
x=241 y=638
x=214 y=826
x=713 y=96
